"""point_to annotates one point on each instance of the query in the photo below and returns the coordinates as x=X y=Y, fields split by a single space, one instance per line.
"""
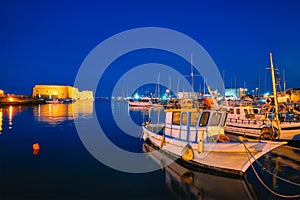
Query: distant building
x=234 y=93
x=1 y=93
x=190 y=95
x=59 y=91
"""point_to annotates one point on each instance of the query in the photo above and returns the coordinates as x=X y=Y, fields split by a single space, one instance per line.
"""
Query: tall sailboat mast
x=275 y=95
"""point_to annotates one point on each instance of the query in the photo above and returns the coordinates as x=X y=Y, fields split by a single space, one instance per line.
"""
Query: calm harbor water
x=63 y=168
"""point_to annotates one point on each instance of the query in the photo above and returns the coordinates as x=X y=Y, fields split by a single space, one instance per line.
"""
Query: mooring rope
x=294 y=148
x=268 y=171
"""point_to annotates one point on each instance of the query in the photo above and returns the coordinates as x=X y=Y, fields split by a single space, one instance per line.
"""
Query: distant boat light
x=136 y=96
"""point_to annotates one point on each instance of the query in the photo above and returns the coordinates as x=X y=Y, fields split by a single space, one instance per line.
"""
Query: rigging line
x=261 y=181
x=294 y=148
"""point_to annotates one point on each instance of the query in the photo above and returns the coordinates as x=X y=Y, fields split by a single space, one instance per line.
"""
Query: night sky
x=45 y=42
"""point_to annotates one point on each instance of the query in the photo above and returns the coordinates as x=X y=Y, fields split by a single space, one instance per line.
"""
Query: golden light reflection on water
x=10 y=117
x=1 y=119
x=7 y=115
x=57 y=113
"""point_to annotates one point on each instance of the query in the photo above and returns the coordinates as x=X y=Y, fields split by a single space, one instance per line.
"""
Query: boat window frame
x=176 y=118
x=184 y=118
x=224 y=117
x=216 y=122
x=238 y=111
x=194 y=119
x=231 y=110
x=206 y=118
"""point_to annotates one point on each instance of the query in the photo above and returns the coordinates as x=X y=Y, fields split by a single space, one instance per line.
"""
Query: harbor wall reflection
x=57 y=113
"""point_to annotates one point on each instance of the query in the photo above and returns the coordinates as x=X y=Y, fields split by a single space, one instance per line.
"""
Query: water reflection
x=139 y=109
x=1 y=119
x=282 y=168
x=186 y=183
x=54 y=114
x=7 y=115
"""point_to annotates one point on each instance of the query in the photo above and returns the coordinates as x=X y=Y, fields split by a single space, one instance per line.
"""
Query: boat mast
x=192 y=73
x=158 y=87
x=284 y=82
x=275 y=95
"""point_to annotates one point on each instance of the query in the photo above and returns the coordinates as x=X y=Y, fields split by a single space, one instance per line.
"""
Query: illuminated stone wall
x=59 y=91
x=1 y=93
x=84 y=95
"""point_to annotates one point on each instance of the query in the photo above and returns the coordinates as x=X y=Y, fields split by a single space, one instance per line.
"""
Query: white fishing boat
x=192 y=135
x=141 y=102
x=275 y=122
x=243 y=120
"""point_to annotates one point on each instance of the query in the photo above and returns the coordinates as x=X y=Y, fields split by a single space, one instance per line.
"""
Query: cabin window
x=224 y=120
x=204 y=119
x=215 y=119
x=231 y=111
x=184 y=118
x=246 y=111
x=194 y=118
x=255 y=110
x=176 y=118
x=238 y=111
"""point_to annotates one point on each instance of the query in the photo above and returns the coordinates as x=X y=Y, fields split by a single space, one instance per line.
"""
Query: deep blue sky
x=45 y=42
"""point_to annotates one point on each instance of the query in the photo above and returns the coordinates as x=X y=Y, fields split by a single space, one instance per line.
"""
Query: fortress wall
x=60 y=91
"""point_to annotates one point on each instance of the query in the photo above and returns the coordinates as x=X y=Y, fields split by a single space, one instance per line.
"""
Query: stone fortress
x=60 y=92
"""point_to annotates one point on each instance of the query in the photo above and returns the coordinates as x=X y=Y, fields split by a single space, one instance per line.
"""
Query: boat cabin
x=191 y=124
x=241 y=113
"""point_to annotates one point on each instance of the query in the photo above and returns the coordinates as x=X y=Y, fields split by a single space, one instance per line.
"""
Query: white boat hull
x=140 y=104
x=231 y=157
x=289 y=131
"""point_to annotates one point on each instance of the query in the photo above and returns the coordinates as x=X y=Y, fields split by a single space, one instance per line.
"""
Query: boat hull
x=140 y=104
x=231 y=157
x=289 y=131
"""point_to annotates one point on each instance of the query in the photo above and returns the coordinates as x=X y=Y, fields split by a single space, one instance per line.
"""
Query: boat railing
x=236 y=103
x=248 y=121
x=269 y=117
x=283 y=117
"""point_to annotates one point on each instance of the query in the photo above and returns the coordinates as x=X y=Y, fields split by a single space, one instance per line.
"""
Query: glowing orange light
x=36 y=146
x=10 y=99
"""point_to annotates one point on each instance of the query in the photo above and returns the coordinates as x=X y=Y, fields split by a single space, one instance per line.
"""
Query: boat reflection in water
x=186 y=183
x=54 y=114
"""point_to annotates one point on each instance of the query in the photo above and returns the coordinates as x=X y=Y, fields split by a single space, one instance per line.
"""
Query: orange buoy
x=266 y=107
x=281 y=107
x=36 y=146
